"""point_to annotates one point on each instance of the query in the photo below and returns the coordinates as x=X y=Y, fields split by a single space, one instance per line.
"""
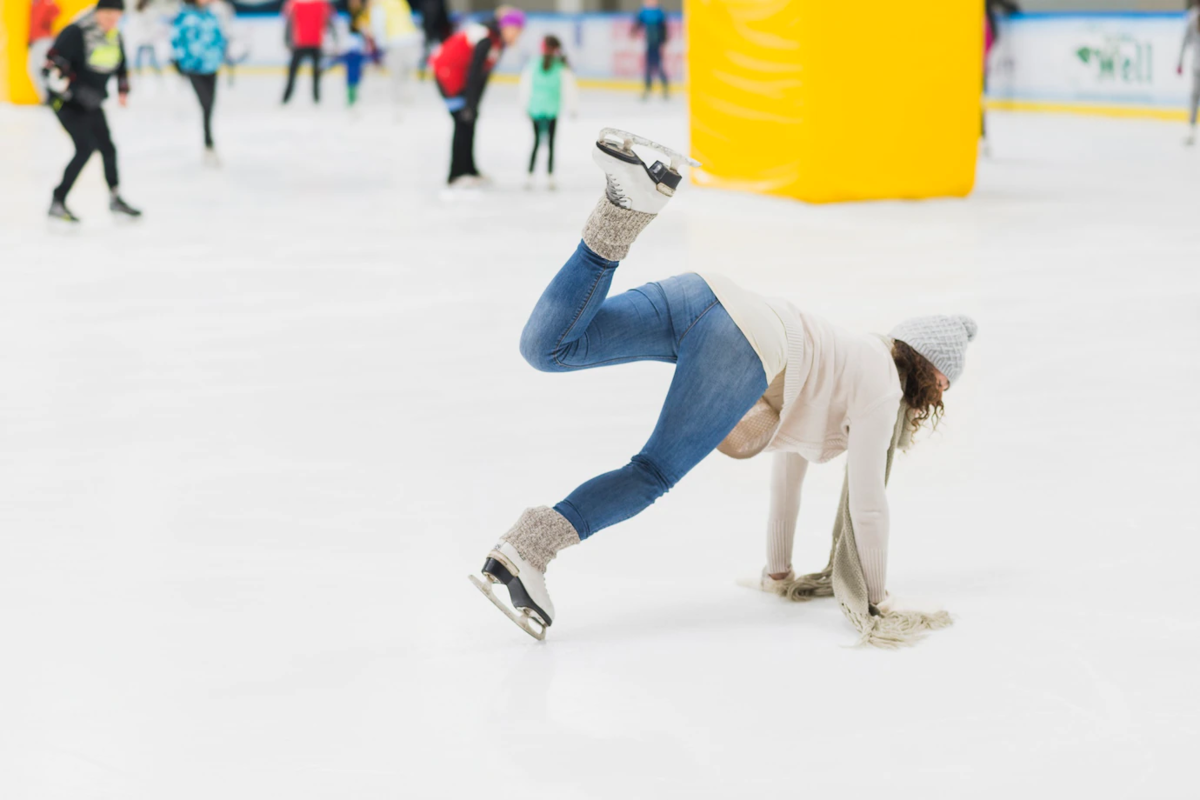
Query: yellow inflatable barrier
x=835 y=101
x=15 y=83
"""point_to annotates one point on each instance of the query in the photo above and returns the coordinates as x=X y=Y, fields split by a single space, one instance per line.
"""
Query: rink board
x=1113 y=64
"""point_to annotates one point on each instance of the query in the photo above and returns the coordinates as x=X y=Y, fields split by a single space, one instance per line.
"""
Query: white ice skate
x=631 y=184
x=211 y=159
x=1191 y=138
x=531 y=608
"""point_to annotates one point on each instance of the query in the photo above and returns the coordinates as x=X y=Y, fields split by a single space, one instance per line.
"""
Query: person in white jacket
x=392 y=22
x=828 y=390
x=1191 y=41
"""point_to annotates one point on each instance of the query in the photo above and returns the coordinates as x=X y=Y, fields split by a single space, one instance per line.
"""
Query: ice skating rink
x=251 y=447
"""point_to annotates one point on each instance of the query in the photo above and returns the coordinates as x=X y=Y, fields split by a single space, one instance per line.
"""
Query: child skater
x=358 y=51
x=547 y=85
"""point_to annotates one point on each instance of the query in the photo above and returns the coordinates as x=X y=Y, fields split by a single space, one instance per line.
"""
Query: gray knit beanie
x=942 y=339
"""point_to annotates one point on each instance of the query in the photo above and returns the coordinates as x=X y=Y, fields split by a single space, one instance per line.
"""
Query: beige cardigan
x=841 y=394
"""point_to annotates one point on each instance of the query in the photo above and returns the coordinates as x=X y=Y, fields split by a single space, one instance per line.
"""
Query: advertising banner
x=1121 y=60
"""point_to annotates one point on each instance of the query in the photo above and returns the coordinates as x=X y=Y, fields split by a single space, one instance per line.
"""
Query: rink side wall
x=1115 y=64
x=1118 y=64
x=602 y=48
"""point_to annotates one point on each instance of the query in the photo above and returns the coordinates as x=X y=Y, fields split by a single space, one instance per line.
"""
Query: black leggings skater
x=298 y=55
x=462 y=149
x=549 y=125
x=88 y=129
x=206 y=91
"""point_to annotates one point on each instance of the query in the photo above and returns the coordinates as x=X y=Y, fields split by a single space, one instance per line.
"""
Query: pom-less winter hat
x=941 y=339
x=115 y=5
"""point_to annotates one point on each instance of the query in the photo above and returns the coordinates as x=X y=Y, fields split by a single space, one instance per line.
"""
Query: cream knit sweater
x=840 y=394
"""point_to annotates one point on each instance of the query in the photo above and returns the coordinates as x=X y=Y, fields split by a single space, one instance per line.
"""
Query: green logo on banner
x=1120 y=58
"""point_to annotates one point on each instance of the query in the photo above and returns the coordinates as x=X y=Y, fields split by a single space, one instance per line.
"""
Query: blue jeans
x=718 y=376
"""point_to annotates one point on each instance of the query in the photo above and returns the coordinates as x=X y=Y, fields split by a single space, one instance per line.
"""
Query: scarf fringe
x=897 y=629
x=887 y=632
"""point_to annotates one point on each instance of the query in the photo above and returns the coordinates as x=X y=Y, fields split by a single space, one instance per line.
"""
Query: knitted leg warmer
x=611 y=229
x=539 y=534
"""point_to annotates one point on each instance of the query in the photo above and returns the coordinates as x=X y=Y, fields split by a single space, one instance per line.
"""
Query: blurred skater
x=652 y=21
x=358 y=51
x=547 y=86
x=306 y=24
x=42 y=14
x=198 y=46
x=393 y=22
x=143 y=30
x=993 y=10
x=1191 y=41
x=461 y=67
x=85 y=55
x=435 y=23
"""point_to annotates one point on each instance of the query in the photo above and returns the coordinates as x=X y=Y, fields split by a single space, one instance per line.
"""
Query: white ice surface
x=251 y=447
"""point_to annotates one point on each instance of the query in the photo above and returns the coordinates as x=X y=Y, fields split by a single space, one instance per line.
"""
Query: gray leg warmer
x=611 y=229
x=540 y=533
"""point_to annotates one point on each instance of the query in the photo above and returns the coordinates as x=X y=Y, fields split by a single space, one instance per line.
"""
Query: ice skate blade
x=627 y=139
x=525 y=622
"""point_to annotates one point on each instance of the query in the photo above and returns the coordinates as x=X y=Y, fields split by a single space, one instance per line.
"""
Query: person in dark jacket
x=85 y=55
x=652 y=21
x=435 y=24
x=461 y=67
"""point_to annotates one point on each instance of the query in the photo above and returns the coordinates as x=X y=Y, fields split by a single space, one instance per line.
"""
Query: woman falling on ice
x=750 y=374
x=1191 y=40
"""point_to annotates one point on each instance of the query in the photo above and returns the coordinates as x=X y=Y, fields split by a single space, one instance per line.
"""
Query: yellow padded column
x=834 y=101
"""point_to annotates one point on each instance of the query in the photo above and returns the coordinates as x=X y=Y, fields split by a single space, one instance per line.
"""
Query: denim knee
x=539 y=350
x=654 y=477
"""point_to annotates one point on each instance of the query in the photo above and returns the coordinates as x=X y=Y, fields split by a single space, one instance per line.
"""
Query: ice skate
x=631 y=184
x=121 y=208
x=211 y=159
x=551 y=184
x=58 y=210
x=519 y=562
x=530 y=608
x=1191 y=138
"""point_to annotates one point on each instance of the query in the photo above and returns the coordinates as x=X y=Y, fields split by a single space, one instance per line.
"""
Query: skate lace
x=616 y=195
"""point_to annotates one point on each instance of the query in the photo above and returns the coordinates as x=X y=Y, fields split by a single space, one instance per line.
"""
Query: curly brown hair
x=921 y=391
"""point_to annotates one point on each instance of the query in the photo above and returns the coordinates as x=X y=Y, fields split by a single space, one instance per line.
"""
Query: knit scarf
x=843 y=578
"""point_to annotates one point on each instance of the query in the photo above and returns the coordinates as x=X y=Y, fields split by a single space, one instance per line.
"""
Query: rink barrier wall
x=1036 y=65
x=1119 y=64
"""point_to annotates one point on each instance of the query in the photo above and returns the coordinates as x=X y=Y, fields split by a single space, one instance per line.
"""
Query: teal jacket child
x=547 y=93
